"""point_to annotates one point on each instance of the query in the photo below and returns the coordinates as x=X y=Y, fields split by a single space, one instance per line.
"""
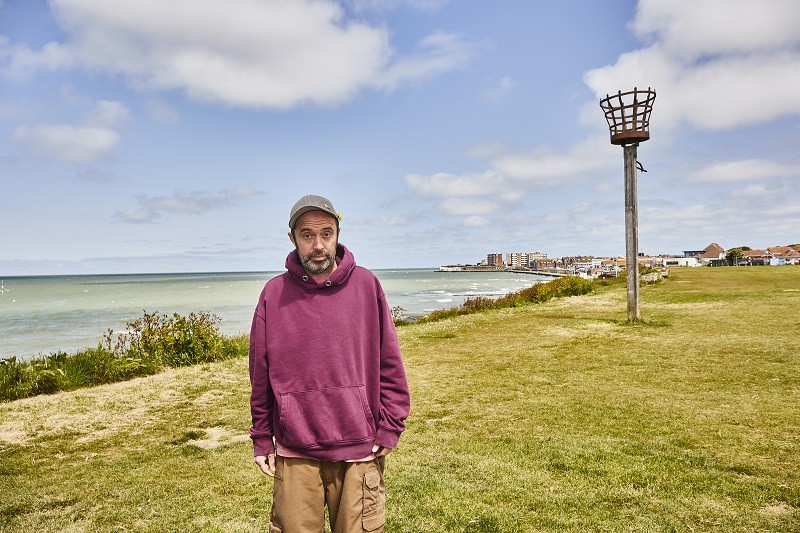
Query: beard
x=318 y=267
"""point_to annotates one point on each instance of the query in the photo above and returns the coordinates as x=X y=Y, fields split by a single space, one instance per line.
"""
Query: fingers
x=381 y=451
x=266 y=464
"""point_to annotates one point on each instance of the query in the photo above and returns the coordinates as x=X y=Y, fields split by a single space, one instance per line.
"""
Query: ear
x=291 y=238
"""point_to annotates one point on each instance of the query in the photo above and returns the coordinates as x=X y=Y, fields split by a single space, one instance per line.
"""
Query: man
x=328 y=382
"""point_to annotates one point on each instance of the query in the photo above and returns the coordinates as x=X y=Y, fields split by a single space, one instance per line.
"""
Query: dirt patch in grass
x=777 y=509
x=218 y=436
x=13 y=433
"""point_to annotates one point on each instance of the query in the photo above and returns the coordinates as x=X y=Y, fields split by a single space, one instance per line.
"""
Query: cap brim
x=307 y=209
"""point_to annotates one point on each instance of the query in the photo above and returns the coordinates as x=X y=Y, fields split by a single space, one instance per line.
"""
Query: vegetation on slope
x=149 y=345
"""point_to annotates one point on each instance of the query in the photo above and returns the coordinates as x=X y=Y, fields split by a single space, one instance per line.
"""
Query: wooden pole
x=631 y=233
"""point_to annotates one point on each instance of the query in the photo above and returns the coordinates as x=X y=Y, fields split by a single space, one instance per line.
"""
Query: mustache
x=318 y=263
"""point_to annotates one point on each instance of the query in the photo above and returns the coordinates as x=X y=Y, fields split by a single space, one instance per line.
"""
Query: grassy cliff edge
x=559 y=416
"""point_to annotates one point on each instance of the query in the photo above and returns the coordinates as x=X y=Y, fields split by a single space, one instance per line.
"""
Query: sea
x=47 y=314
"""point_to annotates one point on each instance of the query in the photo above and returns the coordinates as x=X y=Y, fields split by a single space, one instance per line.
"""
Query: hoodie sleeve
x=395 y=395
x=261 y=395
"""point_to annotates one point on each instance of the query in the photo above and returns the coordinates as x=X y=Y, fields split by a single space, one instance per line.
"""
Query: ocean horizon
x=45 y=314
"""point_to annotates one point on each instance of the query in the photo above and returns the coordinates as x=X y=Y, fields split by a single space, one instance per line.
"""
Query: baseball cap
x=311 y=202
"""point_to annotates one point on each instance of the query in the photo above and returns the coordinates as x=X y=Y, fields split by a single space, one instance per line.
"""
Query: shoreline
x=77 y=310
x=471 y=268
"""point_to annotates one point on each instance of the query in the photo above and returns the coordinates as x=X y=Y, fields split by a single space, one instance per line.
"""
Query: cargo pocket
x=373 y=515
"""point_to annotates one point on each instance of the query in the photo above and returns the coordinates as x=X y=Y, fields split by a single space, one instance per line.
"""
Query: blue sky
x=157 y=136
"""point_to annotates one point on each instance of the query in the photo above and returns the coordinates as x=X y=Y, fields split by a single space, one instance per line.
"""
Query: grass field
x=552 y=417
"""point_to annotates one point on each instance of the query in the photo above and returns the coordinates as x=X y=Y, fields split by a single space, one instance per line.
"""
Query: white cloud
x=107 y=113
x=137 y=216
x=91 y=141
x=512 y=175
x=765 y=196
x=499 y=91
x=475 y=221
x=77 y=144
x=392 y=221
x=443 y=184
x=580 y=207
x=695 y=28
x=385 y=5
x=244 y=53
x=18 y=62
x=469 y=207
x=438 y=53
x=743 y=170
x=697 y=213
x=757 y=191
x=715 y=64
x=787 y=210
x=466 y=194
x=152 y=207
x=724 y=98
x=605 y=187
x=543 y=167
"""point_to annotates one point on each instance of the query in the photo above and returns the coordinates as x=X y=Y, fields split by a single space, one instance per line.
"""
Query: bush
x=172 y=341
x=149 y=344
x=539 y=293
x=20 y=380
x=399 y=316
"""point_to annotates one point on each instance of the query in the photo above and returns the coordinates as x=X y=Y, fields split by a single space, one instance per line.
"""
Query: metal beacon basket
x=628 y=115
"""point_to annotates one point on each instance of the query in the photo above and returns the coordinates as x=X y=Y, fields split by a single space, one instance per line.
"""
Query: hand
x=380 y=451
x=266 y=464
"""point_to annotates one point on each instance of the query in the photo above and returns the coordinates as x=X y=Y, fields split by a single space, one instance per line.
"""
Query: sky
x=155 y=136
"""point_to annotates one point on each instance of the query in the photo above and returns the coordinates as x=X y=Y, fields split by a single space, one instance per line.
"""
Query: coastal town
x=597 y=267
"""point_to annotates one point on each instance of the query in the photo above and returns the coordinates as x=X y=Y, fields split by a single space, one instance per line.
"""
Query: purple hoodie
x=326 y=371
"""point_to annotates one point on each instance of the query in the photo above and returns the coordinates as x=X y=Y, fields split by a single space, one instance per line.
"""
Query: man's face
x=315 y=237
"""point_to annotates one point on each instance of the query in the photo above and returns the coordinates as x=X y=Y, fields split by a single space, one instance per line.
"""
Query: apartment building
x=495 y=260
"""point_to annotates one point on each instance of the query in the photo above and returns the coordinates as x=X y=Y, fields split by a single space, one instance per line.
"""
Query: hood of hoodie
x=345 y=263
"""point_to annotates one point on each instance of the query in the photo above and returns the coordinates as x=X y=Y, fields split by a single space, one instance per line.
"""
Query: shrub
x=399 y=316
x=148 y=345
x=539 y=293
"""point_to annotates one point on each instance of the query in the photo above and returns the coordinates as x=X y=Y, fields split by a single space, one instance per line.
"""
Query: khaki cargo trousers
x=353 y=492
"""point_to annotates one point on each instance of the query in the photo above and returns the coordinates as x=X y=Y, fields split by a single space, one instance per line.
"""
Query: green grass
x=552 y=417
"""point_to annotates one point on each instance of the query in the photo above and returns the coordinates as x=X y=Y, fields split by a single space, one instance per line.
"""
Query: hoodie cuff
x=263 y=446
x=386 y=438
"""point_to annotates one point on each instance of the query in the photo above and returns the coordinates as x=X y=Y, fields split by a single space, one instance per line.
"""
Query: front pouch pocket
x=318 y=418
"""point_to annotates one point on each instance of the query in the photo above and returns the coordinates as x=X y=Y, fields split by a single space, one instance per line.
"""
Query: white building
x=681 y=262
